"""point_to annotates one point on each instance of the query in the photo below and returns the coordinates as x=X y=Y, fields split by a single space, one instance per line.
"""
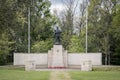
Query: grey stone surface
x=78 y=58
x=86 y=66
x=73 y=59
x=39 y=58
x=30 y=65
x=57 y=57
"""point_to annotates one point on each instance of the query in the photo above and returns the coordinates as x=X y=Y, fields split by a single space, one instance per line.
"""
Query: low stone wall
x=21 y=58
x=79 y=58
x=74 y=59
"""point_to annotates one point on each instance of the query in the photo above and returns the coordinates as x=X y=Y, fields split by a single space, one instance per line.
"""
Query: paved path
x=60 y=75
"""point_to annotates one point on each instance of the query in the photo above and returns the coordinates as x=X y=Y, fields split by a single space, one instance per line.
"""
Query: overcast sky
x=56 y=1
x=58 y=5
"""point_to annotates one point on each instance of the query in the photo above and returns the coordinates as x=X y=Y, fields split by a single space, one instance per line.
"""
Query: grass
x=61 y=76
x=14 y=73
x=106 y=68
x=98 y=73
x=11 y=67
x=95 y=75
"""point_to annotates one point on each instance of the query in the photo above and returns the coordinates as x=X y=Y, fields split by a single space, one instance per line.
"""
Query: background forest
x=103 y=27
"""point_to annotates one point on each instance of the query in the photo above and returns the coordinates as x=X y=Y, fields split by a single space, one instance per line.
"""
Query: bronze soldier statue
x=57 y=37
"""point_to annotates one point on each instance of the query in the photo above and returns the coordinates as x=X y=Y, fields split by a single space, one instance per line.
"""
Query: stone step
x=41 y=66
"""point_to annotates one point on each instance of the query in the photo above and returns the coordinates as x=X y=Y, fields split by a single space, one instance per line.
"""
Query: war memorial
x=58 y=58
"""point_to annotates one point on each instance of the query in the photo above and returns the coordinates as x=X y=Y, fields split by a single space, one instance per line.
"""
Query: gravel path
x=60 y=75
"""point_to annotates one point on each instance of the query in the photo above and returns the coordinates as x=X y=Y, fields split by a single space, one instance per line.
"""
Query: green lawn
x=18 y=73
x=95 y=75
x=23 y=75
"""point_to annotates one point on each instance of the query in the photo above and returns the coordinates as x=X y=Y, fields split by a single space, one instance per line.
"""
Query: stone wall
x=78 y=59
x=73 y=58
x=21 y=58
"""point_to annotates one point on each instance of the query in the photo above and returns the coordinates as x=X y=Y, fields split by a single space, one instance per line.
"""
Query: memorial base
x=57 y=57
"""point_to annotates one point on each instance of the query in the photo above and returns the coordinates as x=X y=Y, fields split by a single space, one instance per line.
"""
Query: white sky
x=58 y=5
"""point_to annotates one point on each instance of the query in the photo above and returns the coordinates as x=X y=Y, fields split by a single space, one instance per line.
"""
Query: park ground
x=18 y=73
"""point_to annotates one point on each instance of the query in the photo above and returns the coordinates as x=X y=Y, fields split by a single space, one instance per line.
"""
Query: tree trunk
x=109 y=59
x=106 y=59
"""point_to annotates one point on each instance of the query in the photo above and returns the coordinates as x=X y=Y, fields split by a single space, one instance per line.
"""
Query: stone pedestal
x=30 y=65
x=57 y=57
x=86 y=66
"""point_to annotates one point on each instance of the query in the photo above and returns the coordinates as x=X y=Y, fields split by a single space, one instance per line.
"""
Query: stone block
x=86 y=66
x=30 y=65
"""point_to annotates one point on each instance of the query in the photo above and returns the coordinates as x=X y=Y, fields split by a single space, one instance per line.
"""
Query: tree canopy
x=103 y=27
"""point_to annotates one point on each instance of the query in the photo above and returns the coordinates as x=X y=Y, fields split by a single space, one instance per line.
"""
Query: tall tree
x=115 y=36
x=14 y=25
x=7 y=19
x=67 y=20
x=100 y=23
x=41 y=24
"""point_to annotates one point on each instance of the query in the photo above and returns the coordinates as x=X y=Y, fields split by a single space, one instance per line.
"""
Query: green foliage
x=7 y=14
x=65 y=39
x=14 y=21
x=42 y=46
x=116 y=25
x=115 y=58
x=103 y=29
x=41 y=26
x=7 y=24
x=67 y=23
x=76 y=44
x=4 y=48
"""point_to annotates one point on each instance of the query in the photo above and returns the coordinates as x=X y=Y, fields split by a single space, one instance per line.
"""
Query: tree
x=4 y=48
x=115 y=36
x=100 y=24
x=41 y=24
x=67 y=21
x=7 y=19
x=14 y=30
x=77 y=43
